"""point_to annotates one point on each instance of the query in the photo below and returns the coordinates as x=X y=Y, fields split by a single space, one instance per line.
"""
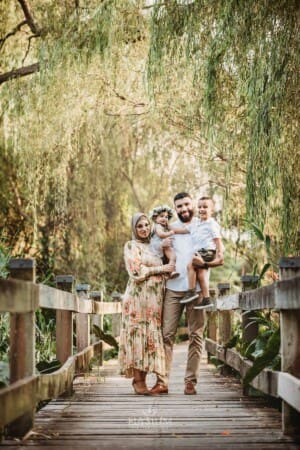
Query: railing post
x=22 y=344
x=22 y=326
x=96 y=319
x=64 y=321
x=224 y=324
x=290 y=344
x=224 y=316
x=212 y=330
x=116 y=318
x=249 y=326
x=82 y=321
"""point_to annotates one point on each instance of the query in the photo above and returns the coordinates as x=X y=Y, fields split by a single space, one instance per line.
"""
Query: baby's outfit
x=156 y=241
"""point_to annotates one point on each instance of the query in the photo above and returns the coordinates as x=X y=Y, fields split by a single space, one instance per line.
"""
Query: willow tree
x=232 y=73
x=82 y=144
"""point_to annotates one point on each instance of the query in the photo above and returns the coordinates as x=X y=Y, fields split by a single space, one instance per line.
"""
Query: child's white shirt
x=203 y=233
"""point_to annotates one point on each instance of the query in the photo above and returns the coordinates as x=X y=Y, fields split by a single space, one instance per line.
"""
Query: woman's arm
x=136 y=270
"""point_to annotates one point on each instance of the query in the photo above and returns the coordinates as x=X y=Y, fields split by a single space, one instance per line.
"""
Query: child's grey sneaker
x=206 y=303
x=189 y=296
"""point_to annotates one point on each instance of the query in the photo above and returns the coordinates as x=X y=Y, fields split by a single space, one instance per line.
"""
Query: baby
x=162 y=230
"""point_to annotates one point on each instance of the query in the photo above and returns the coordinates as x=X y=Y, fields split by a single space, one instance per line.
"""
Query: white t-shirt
x=203 y=233
x=184 y=249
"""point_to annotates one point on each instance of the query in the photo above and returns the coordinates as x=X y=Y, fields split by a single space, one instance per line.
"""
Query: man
x=176 y=290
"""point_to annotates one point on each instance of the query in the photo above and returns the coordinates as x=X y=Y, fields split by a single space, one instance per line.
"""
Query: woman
x=141 y=344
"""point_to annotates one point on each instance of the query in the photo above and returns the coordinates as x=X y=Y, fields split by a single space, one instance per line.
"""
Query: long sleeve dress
x=141 y=344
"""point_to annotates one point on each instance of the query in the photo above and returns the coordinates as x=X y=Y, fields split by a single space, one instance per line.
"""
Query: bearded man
x=173 y=309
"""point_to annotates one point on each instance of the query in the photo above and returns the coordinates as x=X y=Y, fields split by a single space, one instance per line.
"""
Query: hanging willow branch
x=21 y=72
x=244 y=59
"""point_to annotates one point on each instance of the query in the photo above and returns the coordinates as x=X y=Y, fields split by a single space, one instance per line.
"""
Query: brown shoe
x=159 y=389
x=140 y=387
x=189 y=388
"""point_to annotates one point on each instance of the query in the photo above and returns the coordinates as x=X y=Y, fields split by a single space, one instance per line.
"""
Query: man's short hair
x=181 y=195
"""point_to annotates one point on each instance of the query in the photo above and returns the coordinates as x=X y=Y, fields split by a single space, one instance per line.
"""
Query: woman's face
x=143 y=228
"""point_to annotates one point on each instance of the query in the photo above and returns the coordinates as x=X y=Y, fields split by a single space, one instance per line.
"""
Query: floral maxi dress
x=141 y=344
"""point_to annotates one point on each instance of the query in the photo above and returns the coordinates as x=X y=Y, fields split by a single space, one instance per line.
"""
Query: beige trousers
x=172 y=312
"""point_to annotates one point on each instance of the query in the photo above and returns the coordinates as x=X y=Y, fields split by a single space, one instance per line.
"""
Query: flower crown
x=159 y=209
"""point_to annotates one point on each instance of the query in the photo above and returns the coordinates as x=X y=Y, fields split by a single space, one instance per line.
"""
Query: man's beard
x=186 y=218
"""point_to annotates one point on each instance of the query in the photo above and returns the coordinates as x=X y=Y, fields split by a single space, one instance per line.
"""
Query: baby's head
x=206 y=207
x=161 y=214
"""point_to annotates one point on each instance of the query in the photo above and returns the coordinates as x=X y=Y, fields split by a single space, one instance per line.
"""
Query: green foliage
x=45 y=339
x=265 y=357
x=106 y=337
x=4 y=259
x=4 y=349
x=4 y=374
x=264 y=349
x=242 y=97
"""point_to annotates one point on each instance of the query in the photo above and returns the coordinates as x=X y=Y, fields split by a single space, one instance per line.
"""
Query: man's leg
x=171 y=314
x=195 y=321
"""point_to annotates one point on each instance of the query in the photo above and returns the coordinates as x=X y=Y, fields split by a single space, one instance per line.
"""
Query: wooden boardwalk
x=104 y=413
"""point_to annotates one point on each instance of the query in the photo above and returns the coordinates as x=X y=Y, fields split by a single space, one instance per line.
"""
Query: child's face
x=162 y=218
x=205 y=209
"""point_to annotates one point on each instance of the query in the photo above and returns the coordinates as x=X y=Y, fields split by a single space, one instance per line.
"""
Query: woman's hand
x=168 y=268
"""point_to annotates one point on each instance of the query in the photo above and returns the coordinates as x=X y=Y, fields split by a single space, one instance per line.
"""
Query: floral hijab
x=134 y=221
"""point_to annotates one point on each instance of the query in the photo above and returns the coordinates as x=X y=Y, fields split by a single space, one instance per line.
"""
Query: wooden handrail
x=284 y=297
x=21 y=297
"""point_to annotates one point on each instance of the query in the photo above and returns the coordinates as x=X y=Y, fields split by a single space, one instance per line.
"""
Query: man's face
x=184 y=209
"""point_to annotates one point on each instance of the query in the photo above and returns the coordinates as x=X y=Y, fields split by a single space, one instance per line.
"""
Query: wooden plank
x=21 y=397
x=287 y=294
x=54 y=384
x=228 y=302
x=18 y=296
x=261 y=298
x=266 y=381
x=107 y=414
x=290 y=334
x=17 y=399
x=53 y=298
x=289 y=389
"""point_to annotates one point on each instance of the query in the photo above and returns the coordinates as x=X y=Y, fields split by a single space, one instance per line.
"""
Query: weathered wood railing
x=21 y=297
x=284 y=297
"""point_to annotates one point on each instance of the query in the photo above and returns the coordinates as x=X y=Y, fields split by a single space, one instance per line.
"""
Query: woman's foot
x=140 y=387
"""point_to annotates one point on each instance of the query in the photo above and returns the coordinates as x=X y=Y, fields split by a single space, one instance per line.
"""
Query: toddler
x=162 y=230
x=206 y=236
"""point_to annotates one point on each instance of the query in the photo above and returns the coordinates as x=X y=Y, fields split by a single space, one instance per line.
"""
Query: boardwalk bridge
x=96 y=408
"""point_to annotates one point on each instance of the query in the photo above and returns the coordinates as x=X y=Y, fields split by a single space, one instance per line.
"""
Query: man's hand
x=197 y=261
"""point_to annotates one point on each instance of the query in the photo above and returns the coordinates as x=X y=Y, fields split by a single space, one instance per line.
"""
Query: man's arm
x=218 y=261
x=179 y=230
